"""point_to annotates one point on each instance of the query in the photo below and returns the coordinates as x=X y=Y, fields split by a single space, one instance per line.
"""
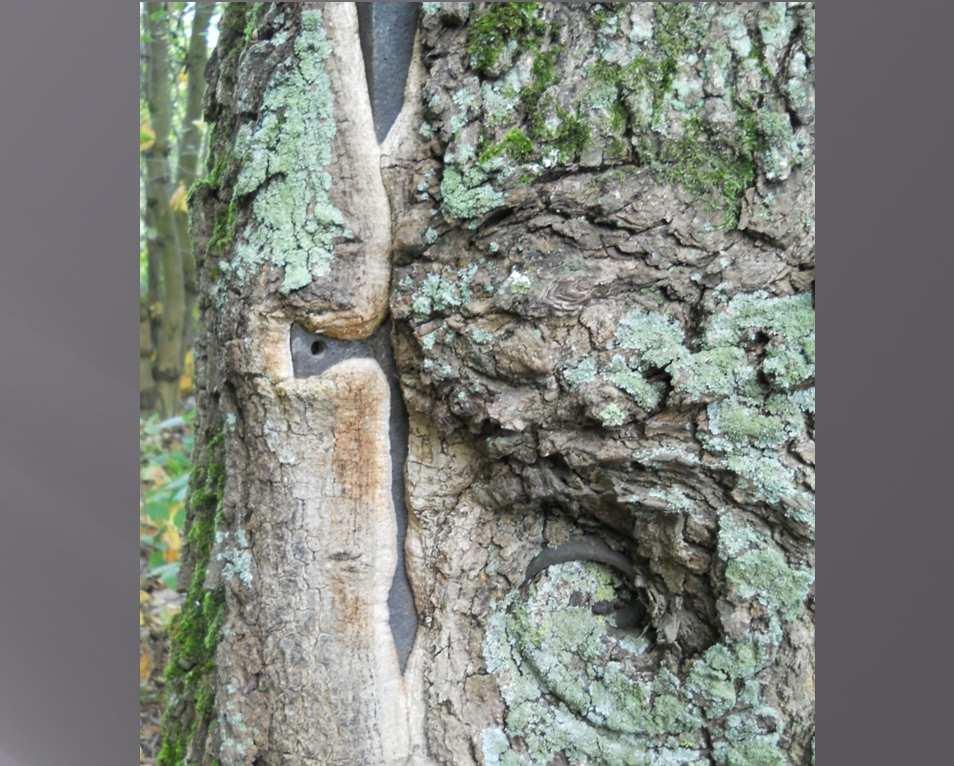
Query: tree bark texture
x=597 y=249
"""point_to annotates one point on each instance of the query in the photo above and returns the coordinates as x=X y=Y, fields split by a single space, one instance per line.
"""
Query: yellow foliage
x=173 y=541
x=188 y=371
x=178 y=199
x=147 y=136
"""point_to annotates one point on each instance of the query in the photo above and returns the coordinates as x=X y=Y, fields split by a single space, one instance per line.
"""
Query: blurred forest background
x=175 y=41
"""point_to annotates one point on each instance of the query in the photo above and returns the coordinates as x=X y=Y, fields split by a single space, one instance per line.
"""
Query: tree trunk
x=190 y=143
x=599 y=239
x=162 y=243
x=148 y=394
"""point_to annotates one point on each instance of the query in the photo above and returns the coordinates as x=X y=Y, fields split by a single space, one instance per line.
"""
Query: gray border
x=68 y=398
x=68 y=638
x=885 y=312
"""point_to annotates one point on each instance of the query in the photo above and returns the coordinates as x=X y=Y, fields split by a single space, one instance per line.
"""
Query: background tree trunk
x=190 y=143
x=601 y=233
x=162 y=244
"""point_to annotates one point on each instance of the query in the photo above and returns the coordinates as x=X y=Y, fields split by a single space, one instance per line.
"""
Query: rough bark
x=162 y=243
x=602 y=243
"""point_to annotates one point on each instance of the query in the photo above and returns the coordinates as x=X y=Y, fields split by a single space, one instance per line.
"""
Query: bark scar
x=312 y=354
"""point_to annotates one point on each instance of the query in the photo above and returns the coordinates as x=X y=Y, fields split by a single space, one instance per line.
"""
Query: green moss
x=194 y=633
x=223 y=232
x=571 y=135
x=498 y=25
x=253 y=19
x=712 y=171
x=514 y=145
x=544 y=75
x=211 y=182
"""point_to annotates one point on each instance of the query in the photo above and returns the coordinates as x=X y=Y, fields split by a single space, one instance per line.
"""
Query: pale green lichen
x=713 y=678
x=762 y=750
x=789 y=324
x=749 y=421
x=758 y=571
x=464 y=197
x=480 y=337
x=438 y=293
x=644 y=393
x=583 y=373
x=712 y=373
x=284 y=156
x=518 y=283
x=612 y=416
x=574 y=686
x=657 y=339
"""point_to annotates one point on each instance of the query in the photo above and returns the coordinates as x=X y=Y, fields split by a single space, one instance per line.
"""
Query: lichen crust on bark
x=604 y=309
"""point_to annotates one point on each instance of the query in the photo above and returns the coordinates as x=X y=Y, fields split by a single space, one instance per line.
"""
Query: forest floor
x=165 y=452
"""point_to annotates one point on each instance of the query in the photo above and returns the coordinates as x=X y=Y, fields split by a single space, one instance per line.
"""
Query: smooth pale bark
x=162 y=244
x=600 y=244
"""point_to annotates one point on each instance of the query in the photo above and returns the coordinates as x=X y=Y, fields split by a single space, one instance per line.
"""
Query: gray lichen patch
x=634 y=359
x=284 y=155
x=703 y=94
x=576 y=686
